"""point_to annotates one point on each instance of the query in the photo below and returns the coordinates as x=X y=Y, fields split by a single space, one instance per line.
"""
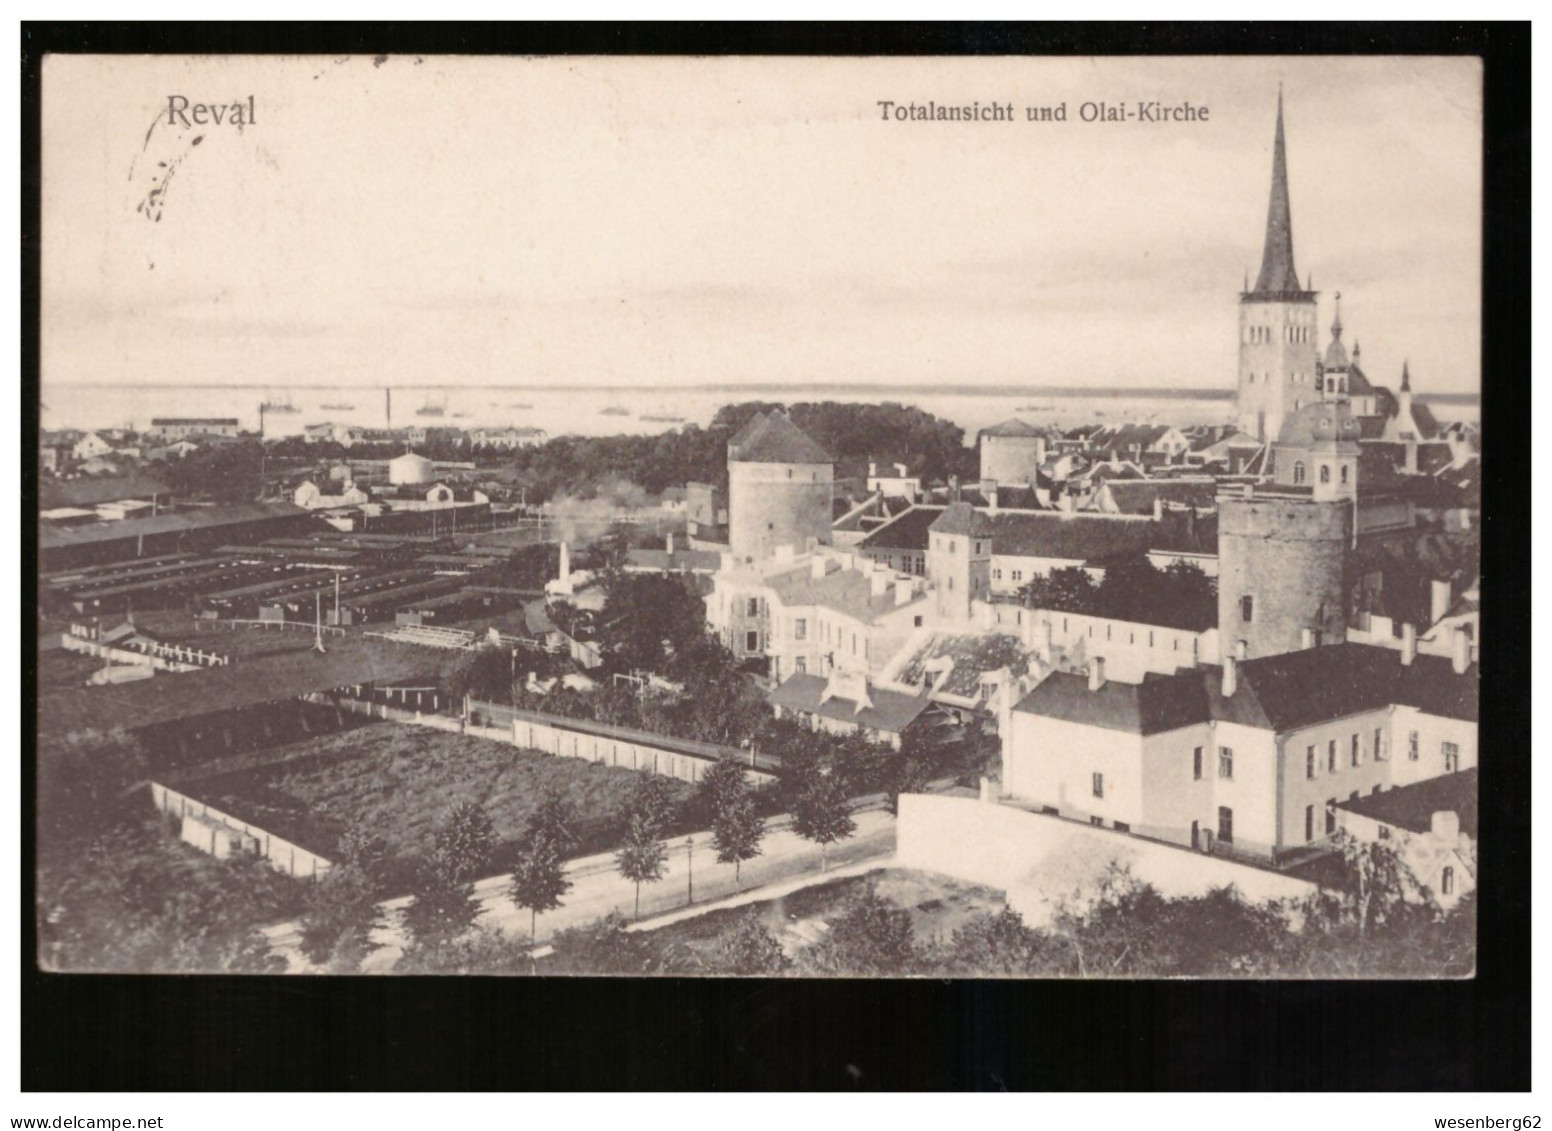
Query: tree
x=748 y=949
x=1066 y=590
x=82 y=779
x=736 y=825
x=465 y=841
x=647 y=620
x=822 y=813
x=539 y=877
x=653 y=799
x=996 y=944
x=485 y=673
x=444 y=906
x=641 y=859
x=341 y=914
x=874 y=937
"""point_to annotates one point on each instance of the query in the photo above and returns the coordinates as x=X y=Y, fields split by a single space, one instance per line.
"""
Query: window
x=1330 y=815
x=1344 y=475
x=1097 y=822
x=1099 y=785
x=978 y=546
x=1298 y=472
x=1331 y=757
x=1225 y=824
x=1018 y=575
x=1309 y=822
x=1379 y=744
x=789 y=473
x=1412 y=747
x=802 y=664
x=1355 y=754
x=800 y=629
x=1384 y=832
x=1247 y=608
x=1122 y=827
x=1325 y=473
x=751 y=642
x=752 y=607
x=1447 y=881
x=1309 y=763
x=1196 y=764
x=1451 y=757
x=917 y=621
x=1225 y=762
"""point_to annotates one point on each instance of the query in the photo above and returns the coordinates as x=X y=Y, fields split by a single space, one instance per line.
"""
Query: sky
x=673 y=222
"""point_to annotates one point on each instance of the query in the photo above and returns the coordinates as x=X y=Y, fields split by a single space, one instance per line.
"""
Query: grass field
x=401 y=781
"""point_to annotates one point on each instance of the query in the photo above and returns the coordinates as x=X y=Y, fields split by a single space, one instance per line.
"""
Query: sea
x=627 y=410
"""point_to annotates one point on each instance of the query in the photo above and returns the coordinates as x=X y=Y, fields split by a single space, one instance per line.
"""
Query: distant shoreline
x=787 y=391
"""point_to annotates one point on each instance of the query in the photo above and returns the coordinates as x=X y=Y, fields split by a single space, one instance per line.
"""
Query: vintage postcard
x=885 y=517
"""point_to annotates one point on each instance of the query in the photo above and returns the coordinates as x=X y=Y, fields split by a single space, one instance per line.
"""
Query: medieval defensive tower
x=780 y=489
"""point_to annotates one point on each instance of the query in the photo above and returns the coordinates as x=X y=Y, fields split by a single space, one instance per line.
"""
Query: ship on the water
x=281 y=403
x=614 y=410
x=433 y=407
x=338 y=407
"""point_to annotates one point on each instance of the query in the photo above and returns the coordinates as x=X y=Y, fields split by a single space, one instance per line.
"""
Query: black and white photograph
x=759 y=517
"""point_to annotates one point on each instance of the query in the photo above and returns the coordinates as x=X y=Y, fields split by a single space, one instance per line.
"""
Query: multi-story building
x=1253 y=756
x=780 y=488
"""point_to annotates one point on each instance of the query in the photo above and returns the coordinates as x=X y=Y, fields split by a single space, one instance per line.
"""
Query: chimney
x=902 y=590
x=1306 y=638
x=669 y=542
x=872 y=469
x=1462 y=655
x=1438 y=601
x=1444 y=825
x=953 y=488
x=1242 y=650
x=878 y=583
x=1230 y=676
x=1158 y=508
x=565 y=564
x=989 y=489
x=1096 y=673
x=1408 y=643
x=817 y=568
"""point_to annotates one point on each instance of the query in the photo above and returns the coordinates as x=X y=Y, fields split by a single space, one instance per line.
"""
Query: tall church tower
x=1277 y=338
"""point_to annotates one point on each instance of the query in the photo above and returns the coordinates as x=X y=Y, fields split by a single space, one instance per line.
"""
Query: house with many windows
x=1249 y=756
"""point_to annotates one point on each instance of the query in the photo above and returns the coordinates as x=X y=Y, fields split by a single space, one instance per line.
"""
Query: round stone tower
x=780 y=489
x=1011 y=452
x=1282 y=563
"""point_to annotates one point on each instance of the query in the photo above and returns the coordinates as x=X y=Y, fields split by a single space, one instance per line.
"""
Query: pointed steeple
x=1278 y=275
x=1336 y=317
x=1406 y=378
x=1336 y=352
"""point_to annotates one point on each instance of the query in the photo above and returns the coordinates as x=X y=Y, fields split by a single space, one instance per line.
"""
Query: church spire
x=1277 y=271
x=1406 y=378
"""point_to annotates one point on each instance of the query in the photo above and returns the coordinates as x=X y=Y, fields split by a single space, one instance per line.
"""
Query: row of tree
x=1133 y=589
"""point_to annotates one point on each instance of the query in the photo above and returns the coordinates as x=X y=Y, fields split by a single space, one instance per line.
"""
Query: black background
x=399 y=1034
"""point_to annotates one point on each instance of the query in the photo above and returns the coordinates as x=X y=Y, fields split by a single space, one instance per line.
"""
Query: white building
x=1431 y=826
x=1251 y=757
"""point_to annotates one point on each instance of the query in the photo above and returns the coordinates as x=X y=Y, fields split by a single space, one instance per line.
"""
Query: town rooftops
x=208 y=518
x=848 y=591
x=1277 y=693
x=194 y=422
x=1030 y=534
x=773 y=438
x=1411 y=807
x=1137 y=496
x=961 y=657
x=891 y=712
x=90 y=492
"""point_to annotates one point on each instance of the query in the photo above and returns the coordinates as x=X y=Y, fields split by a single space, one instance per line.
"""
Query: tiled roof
x=1072 y=537
x=1412 y=807
x=847 y=591
x=1277 y=693
x=775 y=439
x=962 y=518
x=1187 y=533
x=892 y=711
x=906 y=532
x=1136 y=496
x=1124 y=436
x=1012 y=428
x=1151 y=707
